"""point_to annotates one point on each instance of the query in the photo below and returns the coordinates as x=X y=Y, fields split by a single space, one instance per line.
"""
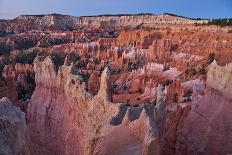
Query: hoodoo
x=59 y=111
x=123 y=84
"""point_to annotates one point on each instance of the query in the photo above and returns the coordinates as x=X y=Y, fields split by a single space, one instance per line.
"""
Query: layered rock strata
x=64 y=22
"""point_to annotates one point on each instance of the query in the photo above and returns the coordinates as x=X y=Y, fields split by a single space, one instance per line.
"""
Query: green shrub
x=24 y=58
x=220 y=22
x=4 y=49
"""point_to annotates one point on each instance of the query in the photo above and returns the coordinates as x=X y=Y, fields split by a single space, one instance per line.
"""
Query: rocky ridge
x=63 y=111
x=64 y=22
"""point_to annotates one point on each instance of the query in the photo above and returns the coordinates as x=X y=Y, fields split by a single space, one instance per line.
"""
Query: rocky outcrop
x=161 y=50
x=13 y=71
x=204 y=126
x=174 y=123
x=62 y=22
x=22 y=77
x=12 y=129
x=220 y=78
x=93 y=83
x=62 y=111
x=206 y=130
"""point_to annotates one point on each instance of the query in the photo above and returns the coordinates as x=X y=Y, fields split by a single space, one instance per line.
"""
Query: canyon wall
x=64 y=22
x=204 y=126
x=62 y=111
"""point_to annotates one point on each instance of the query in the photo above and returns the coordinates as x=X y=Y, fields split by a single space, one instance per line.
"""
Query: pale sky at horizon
x=193 y=8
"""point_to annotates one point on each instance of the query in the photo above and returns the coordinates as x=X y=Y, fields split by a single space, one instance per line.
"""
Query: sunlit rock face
x=12 y=129
x=220 y=78
x=62 y=111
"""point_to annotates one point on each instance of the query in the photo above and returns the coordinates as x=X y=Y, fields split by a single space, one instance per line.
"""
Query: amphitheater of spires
x=115 y=84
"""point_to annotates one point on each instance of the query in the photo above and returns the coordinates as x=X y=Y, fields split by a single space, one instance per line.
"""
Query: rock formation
x=12 y=129
x=161 y=49
x=174 y=122
x=64 y=22
x=93 y=84
x=120 y=75
x=205 y=129
x=62 y=111
x=220 y=78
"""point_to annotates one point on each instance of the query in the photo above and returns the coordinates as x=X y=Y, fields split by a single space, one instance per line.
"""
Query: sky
x=191 y=8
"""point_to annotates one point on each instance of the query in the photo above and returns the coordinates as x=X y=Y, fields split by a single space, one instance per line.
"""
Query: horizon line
x=116 y=14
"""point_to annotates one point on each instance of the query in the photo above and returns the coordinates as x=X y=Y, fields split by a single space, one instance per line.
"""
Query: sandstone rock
x=105 y=86
x=200 y=130
x=220 y=78
x=64 y=22
x=93 y=83
x=22 y=77
x=174 y=123
x=161 y=50
x=12 y=129
x=206 y=130
x=81 y=115
x=60 y=112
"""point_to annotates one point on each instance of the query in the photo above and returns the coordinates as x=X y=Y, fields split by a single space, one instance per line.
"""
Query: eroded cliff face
x=64 y=22
x=63 y=118
x=174 y=123
x=220 y=78
x=205 y=126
